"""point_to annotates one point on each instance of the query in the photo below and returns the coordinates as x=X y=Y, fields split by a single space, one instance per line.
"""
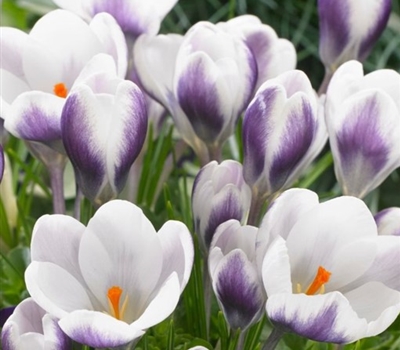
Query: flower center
x=60 y=90
x=114 y=296
x=322 y=277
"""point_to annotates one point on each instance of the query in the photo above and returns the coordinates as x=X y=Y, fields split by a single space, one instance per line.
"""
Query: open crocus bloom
x=349 y=29
x=234 y=274
x=104 y=125
x=110 y=281
x=135 y=17
x=363 y=120
x=39 y=69
x=283 y=131
x=205 y=80
x=30 y=327
x=315 y=256
x=219 y=194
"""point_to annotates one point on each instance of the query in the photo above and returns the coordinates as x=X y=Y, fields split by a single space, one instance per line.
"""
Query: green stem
x=256 y=206
x=215 y=153
x=207 y=293
x=56 y=171
x=273 y=339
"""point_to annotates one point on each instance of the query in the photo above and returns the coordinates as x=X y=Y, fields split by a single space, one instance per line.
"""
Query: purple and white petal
x=97 y=329
x=388 y=221
x=238 y=289
x=326 y=318
x=2 y=161
x=35 y=116
x=364 y=141
x=12 y=43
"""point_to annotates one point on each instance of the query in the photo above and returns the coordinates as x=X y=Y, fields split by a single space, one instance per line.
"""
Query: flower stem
x=257 y=203
x=77 y=204
x=56 y=171
x=324 y=85
x=273 y=339
x=215 y=153
x=207 y=293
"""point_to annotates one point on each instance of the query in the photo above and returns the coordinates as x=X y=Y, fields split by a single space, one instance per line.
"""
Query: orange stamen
x=60 y=90
x=114 y=295
x=320 y=279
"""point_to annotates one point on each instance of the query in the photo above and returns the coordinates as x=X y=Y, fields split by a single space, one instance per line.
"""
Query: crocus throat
x=322 y=277
x=60 y=90
x=114 y=295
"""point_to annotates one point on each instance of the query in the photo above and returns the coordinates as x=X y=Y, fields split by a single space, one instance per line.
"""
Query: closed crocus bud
x=205 y=80
x=349 y=29
x=30 y=327
x=234 y=274
x=314 y=269
x=104 y=125
x=283 y=132
x=135 y=17
x=112 y=280
x=363 y=120
x=219 y=194
x=273 y=55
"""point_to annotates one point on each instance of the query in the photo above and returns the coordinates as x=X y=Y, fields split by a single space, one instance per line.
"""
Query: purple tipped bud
x=219 y=194
x=349 y=29
x=30 y=327
x=233 y=269
x=104 y=124
x=282 y=133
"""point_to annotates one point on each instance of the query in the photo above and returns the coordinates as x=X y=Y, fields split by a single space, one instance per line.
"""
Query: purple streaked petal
x=294 y=143
x=35 y=116
x=226 y=206
x=257 y=130
x=55 y=338
x=365 y=142
x=130 y=131
x=88 y=161
x=380 y=19
x=334 y=29
x=388 y=221
x=198 y=95
x=238 y=290
x=97 y=329
x=326 y=318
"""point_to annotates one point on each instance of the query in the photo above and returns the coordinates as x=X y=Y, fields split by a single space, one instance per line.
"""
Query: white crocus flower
x=315 y=256
x=110 y=281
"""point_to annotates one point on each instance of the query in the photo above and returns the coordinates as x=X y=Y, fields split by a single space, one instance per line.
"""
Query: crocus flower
x=219 y=194
x=273 y=55
x=104 y=125
x=283 y=132
x=39 y=69
x=110 y=281
x=349 y=29
x=363 y=120
x=234 y=274
x=30 y=327
x=135 y=17
x=314 y=258
x=205 y=80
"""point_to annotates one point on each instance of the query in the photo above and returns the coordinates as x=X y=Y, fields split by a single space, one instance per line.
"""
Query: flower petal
x=35 y=116
x=327 y=318
x=96 y=329
x=63 y=295
x=178 y=251
x=388 y=221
